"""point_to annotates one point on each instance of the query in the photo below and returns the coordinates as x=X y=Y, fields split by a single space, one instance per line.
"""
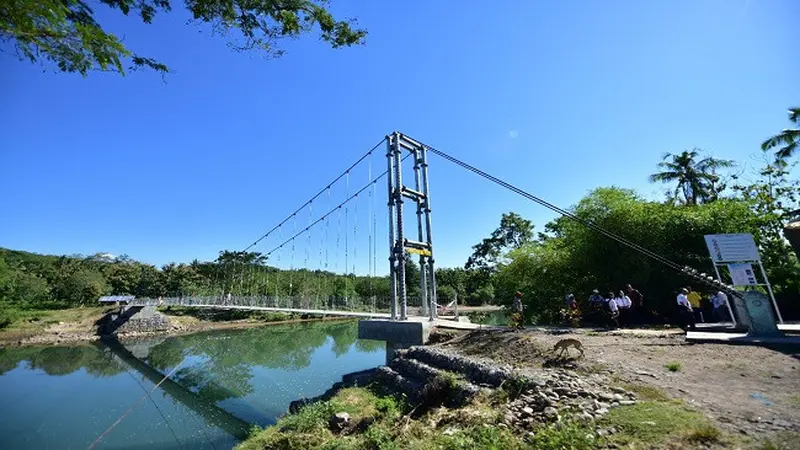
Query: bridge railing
x=352 y=304
x=373 y=304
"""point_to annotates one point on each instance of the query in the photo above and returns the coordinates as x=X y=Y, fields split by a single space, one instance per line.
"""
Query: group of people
x=626 y=307
x=690 y=307
x=623 y=307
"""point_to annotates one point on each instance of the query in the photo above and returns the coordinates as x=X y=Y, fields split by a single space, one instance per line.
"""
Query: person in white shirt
x=613 y=309
x=685 y=310
x=720 y=303
x=624 y=304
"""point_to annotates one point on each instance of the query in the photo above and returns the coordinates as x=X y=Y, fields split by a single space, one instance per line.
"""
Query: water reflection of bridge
x=208 y=410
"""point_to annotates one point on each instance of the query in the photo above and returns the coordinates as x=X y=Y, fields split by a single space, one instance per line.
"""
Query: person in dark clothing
x=517 y=311
x=637 y=305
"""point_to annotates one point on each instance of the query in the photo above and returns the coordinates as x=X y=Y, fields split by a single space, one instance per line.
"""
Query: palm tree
x=787 y=140
x=697 y=179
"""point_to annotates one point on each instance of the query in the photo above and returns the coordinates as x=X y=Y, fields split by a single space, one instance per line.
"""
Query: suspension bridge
x=324 y=258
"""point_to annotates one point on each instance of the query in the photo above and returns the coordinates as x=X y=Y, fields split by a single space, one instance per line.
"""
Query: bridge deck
x=324 y=312
x=444 y=323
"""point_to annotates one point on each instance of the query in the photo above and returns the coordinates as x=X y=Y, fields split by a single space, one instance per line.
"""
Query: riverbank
x=74 y=325
x=629 y=391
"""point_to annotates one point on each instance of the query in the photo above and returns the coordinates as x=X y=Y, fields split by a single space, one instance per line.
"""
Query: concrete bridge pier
x=398 y=335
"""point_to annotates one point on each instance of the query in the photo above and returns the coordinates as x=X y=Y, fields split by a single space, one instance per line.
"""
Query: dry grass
x=33 y=322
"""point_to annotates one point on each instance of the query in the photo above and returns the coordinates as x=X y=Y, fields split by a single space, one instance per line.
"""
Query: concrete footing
x=398 y=335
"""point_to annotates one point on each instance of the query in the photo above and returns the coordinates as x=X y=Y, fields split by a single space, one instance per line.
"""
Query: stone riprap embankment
x=538 y=396
x=134 y=320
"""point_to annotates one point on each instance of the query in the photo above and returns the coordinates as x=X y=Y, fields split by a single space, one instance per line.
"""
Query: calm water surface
x=223 y=381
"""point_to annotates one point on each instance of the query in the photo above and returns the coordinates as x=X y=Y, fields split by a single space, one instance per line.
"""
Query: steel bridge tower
x=396 y=145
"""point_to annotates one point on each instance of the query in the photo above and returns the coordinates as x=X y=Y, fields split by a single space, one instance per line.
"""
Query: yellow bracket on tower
x=418 y=251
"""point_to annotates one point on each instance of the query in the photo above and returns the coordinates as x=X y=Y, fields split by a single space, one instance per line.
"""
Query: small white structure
x=117 y=299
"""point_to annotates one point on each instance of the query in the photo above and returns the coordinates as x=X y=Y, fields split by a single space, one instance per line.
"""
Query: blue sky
x=556 y=97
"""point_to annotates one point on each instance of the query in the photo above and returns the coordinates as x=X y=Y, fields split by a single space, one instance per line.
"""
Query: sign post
x=739 y=252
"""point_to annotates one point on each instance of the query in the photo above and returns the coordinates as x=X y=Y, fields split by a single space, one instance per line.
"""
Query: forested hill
x=30 y=280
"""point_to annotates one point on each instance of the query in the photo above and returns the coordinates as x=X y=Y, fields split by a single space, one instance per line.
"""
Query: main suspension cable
x=343 y=174
x=333 y=210
x=555 y=208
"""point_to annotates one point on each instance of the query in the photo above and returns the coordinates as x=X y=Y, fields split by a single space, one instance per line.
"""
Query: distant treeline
x=29 y=280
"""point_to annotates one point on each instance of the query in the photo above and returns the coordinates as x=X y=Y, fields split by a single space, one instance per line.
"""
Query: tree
x=455 y=278
x=79 y=285
x=179 y=280
x=513 y=232
x=787 y=140
x=123 y=277
x=67 y=33
x=578 y=259
x=773 y=196
x=697 y=179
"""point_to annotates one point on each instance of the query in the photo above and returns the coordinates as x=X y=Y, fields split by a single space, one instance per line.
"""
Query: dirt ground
x=754 y=391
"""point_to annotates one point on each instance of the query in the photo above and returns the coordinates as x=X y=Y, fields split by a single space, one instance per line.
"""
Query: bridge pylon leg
x=399 y=245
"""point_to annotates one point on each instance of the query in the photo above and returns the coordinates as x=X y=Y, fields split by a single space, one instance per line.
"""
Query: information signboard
x=742 y=274
x=732 y=247
x=738 y=251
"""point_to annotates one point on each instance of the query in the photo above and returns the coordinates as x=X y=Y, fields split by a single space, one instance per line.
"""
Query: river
x=222 y=382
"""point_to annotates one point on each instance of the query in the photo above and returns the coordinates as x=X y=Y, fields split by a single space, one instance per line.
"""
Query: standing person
x=694 y=299
x=613 y=310
x=719 y=302
x=516 y=310
x=624 y=304
x=596 y=299
x=637 y=304
x=685 y=310
x=570 y=302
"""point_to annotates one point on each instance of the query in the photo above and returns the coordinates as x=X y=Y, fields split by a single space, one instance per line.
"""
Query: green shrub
x=379 y=437
x=673 y=366
x=703 y=434
x=309 y=418
x=7 y=317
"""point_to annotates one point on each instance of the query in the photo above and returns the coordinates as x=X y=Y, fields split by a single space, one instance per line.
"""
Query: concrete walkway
x=739 y=338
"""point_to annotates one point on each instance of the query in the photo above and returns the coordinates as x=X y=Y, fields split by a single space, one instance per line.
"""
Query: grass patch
x=564 y=436
x=650 y=422
x=379 y=423
x=480 y=437
x=794 y=400
x=33 y=320
x=384 y=423
x=673 y=366
x=703 y=434
x=647 y=392
x=787 y=440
